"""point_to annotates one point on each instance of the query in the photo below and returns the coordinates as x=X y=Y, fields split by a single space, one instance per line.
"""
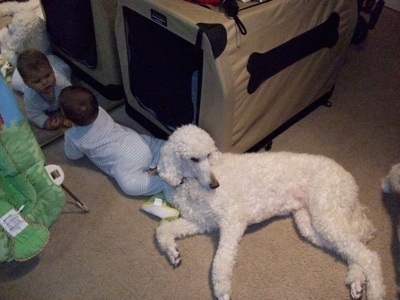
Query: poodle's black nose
x=213 y=181
x=214 y=184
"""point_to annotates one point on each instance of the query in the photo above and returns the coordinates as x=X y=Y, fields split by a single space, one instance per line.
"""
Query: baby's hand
x=53 y=123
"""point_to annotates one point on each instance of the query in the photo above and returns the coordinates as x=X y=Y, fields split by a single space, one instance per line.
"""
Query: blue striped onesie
x=118 y=151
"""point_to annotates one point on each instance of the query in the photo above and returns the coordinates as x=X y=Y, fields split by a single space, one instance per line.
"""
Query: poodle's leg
x=230 y=235
x=167 y=232
x=364 y=230
x=364 y=268
x=303 y=222
x=355 y=278
x=345 y=242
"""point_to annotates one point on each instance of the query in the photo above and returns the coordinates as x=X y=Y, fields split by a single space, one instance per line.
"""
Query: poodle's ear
x=169 y=165
x=215 y=158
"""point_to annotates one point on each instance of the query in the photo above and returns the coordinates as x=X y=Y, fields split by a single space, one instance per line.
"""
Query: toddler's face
x=42 y=81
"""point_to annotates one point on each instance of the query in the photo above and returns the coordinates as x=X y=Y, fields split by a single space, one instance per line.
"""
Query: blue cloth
x=9 y=110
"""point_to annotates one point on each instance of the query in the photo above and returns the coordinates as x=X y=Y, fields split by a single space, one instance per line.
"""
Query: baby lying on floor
x=117 y=150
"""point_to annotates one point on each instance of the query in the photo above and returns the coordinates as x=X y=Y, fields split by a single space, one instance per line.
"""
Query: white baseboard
x=393 y=4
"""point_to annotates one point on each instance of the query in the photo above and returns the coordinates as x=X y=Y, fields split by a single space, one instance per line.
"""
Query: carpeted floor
x=110 y=253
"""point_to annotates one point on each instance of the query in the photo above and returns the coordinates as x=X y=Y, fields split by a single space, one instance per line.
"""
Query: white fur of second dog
x=10 y=8
x=228 y=192
x=391 y=184
x=27 y=29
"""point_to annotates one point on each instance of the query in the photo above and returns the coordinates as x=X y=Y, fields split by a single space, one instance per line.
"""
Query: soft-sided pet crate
x=187 y=63
x=82 y=33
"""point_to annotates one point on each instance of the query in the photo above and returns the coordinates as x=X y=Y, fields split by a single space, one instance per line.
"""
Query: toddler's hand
x=53 y=123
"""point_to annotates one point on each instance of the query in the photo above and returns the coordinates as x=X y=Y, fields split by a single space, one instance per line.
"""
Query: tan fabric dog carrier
x=187 y=63
x=82 y=34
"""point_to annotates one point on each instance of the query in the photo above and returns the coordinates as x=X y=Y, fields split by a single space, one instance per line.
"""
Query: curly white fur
x=27 y=29
x=242 y=189
x=12 y=7
x=391 y=183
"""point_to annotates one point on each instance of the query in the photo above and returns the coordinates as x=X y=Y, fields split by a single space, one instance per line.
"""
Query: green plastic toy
x=158 y=207
x=29 y=200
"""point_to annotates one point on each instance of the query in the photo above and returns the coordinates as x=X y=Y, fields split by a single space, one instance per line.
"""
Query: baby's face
x=43 y=82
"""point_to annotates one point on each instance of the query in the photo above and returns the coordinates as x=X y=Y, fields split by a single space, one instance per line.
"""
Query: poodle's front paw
x=356 y=289
x=224 y=297
x=174 y=256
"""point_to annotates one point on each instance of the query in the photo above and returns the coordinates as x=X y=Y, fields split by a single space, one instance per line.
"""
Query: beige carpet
x=110 y=253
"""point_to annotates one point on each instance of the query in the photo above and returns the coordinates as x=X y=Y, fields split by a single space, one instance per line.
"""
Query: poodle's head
x=26 y=30
x=189 y=152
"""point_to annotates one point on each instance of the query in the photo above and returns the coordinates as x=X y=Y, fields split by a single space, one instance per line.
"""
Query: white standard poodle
x=229 y=192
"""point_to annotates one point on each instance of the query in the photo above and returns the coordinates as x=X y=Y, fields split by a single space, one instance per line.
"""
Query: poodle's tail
x=362 y=225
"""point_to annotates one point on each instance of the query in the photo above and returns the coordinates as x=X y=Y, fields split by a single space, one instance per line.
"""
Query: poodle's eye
x=209 y=155
x=195 y=159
